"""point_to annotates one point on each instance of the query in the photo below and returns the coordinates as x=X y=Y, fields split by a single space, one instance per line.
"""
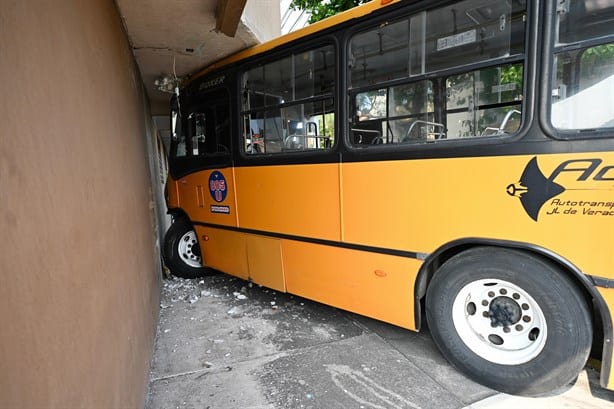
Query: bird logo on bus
x=534 y=189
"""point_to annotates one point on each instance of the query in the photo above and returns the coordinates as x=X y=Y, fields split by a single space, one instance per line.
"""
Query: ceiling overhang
x=173 y=39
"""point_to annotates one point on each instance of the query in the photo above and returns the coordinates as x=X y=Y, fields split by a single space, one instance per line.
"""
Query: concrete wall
x=79 y=278
x=262 y=18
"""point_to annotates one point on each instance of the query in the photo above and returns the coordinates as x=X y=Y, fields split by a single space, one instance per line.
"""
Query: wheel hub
x=504 y=312
x=188 y=250
x=499 y=321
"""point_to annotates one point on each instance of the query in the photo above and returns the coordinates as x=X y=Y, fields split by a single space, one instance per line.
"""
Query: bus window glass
x=583 y=89
x=584 y=19
x=417 y=41
x=207 y=129
x=472 y=103
x=484 y=102
x=294 y=111
x=464 y=33
x=253 y=88
x=467 y=32
x=314 y=73
x=396 y=114
x=583 y=70
x=380 y=54
x=410 y=113
x=371 y=104
x=273 y=134
x=197 y=121
x=179 y=138
x=278 y=82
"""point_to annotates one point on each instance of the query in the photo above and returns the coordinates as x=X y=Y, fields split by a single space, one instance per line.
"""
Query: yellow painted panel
x=264 y=260
x=419 y=205
x=608 y=296
x=376 y=285
x=172 y=192
x=223 y=250
x=301 y=200
x=196 y=193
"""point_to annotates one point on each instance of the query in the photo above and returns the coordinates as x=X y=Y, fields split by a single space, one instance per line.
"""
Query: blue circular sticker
x=217 y=186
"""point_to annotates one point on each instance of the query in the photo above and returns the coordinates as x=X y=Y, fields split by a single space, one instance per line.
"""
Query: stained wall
x=79 y=274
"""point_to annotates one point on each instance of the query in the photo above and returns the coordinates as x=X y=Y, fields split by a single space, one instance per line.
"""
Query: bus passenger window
x=580 y=20
x=397 y=114
x=379 y=55
x=485 y=102
x=583 y=76
x=392 y=101
x=288 y=104
x=583 y=89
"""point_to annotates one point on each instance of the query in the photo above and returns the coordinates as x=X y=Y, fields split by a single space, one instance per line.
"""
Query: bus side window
x=485 y=102
x=288 y=104
x=395 y=87
x=584 y=80
x=209 y=128
x=396 y=114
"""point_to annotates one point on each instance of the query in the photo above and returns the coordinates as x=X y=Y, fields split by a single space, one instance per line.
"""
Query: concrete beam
x=228 y=14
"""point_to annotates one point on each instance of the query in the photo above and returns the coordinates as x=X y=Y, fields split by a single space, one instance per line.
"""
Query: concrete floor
x=223 y=343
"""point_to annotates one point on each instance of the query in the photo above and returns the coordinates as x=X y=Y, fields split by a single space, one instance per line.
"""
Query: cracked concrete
x=224 y=343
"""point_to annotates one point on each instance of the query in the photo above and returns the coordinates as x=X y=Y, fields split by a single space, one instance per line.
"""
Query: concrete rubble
x=224 y=343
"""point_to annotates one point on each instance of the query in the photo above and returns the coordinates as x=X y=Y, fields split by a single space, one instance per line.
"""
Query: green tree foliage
x=320 y=9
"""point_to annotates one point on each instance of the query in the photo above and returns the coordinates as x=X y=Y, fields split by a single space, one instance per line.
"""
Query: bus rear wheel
x=181 y=251
x=509 y=320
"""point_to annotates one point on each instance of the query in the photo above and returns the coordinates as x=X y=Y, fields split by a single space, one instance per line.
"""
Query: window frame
x=180 y=166
x=294 y=50
x=548 y=73
x=440 y=76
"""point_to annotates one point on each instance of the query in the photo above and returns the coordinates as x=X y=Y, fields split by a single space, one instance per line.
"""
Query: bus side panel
x=375 y=285
x=246 y=256
x=420 y=205
x=224 y=250
x=208 y=196
x=301 y=200
x=172 y=192
x=264 y=261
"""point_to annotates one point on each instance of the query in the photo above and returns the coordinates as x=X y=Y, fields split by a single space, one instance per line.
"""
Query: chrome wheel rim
x=499 y=321
x=188 y=250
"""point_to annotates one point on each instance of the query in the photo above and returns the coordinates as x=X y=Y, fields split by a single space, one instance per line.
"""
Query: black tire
x=181 y=251
x=549 y=326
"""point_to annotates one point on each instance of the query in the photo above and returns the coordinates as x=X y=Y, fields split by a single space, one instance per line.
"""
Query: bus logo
x=218 y=186
x=534 y=189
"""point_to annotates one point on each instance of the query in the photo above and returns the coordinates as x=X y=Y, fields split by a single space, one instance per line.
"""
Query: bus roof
x=350 y=14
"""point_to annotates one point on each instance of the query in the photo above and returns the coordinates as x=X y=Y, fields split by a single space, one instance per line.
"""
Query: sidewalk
x=223 y=344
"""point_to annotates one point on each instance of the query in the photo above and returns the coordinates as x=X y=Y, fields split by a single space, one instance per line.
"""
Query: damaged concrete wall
x=79 y=284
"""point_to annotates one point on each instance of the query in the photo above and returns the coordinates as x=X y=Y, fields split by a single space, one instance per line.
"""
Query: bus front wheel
x=181 y=250
x=510 y=320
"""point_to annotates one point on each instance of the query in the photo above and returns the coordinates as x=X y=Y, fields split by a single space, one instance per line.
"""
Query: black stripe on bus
x=331 y=243
x=602 y=281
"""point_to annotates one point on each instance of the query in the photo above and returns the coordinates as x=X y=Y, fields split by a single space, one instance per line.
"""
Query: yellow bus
x=452 y=160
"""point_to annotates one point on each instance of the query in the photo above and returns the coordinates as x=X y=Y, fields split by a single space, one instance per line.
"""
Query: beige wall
x=79 y=280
